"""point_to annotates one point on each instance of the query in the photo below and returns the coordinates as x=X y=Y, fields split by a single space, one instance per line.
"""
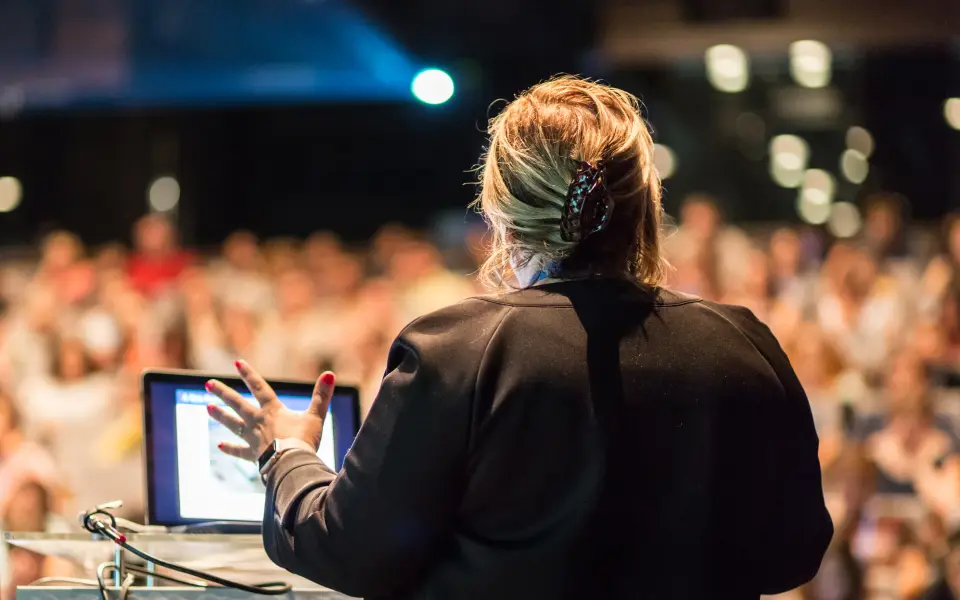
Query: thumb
x=322 y=393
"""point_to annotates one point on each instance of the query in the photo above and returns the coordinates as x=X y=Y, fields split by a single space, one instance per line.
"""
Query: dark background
x=341 y=144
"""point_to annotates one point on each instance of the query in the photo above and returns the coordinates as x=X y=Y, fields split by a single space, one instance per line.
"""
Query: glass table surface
x=236 y=556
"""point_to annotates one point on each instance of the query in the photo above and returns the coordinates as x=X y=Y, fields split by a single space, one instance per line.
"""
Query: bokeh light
x=861 y=140
x=951 y=112
x=665 y=160
x=785 y=177
x=819 y=185
x=811 y=211
x=810 y=63
x=432 y=86
x=788 y=159
x=844 y=220
x=854 y=166
x=815 y=197
x=728 y=68
x=164 y=194
x=11 y=192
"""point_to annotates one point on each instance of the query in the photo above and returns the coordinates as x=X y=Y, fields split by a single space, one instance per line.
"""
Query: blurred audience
x=871 y=325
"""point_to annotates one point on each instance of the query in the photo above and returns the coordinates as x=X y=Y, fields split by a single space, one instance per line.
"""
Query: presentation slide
x=214 y=486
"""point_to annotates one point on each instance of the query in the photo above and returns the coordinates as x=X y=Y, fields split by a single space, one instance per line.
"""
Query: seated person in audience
x=721 y=249
x=947 y=586
x=157 y=260
x=944 y=268
x=423 y=281
x=67 y=412
x=949 y=322
x=860 y=309
x=790 y=280
x=27 y=509
x=884 y=234
x=819 y=365
x=910 y=449
x=913 y=565
x=754 y=289
x=20 y=460
x=62 y=268
x=239 y=275
x=74 y=391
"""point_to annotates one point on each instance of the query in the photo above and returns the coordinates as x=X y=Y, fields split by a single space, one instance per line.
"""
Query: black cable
x=109 y=529
x=268 y=588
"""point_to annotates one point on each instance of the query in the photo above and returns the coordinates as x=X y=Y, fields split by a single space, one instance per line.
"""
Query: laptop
x=194 y=487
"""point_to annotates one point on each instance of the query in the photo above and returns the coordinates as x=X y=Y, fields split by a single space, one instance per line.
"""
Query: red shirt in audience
x=150 y=274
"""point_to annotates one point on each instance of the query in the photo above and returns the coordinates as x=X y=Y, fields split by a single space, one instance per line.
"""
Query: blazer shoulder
x=740 y=316
x=461 y=327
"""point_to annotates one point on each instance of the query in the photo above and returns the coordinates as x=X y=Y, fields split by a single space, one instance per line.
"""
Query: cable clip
x=94 y=522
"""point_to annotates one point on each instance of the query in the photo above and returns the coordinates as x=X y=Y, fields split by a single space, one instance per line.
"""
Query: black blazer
x=581 y=439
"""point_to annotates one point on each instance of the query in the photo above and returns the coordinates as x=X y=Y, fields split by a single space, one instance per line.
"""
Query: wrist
x=278 y=447
x=297 y=444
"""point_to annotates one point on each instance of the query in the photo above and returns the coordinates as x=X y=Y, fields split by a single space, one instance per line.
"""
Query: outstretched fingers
x=257 y=385
x=233 y=399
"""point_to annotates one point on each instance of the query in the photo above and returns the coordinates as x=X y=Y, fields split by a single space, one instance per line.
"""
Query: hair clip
x=588 y=207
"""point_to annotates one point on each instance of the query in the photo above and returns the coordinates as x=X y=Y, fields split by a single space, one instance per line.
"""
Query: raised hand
x=259 y=424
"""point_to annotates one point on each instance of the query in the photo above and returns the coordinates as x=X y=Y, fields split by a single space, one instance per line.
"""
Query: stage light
x=815 y=197
x=819 y=186
x=951 y=112
x=810 y=63
x=844 y=221
x=728 y=69
x=432 y=86
x=665 y=160
x=859 y=139
x=10 y=193
x=785 y=177
x=854 y=166
x=813 y=212
x=788 y=159
x=164 y=194
x=790 y=150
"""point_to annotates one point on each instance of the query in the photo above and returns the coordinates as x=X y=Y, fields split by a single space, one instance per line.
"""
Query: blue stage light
x=432 y=86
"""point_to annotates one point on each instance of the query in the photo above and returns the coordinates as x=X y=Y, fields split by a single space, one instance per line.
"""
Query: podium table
x=236 y=557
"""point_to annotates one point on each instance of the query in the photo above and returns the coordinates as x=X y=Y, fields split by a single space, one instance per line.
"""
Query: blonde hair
x=536 y=145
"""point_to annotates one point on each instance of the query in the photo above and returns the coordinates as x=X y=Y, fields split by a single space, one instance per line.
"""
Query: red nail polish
x=220 y=445
x=210 y=409
x=238 y=365
x=209 y=386
x=328 y=378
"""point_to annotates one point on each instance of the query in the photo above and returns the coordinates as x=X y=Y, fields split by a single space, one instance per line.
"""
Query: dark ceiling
x=289 y=165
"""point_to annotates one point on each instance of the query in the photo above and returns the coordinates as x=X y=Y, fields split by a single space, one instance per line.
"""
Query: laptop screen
x=189 y=480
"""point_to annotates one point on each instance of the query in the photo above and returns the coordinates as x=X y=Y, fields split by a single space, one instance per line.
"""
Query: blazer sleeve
x=798 y=529
x=371 y=529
